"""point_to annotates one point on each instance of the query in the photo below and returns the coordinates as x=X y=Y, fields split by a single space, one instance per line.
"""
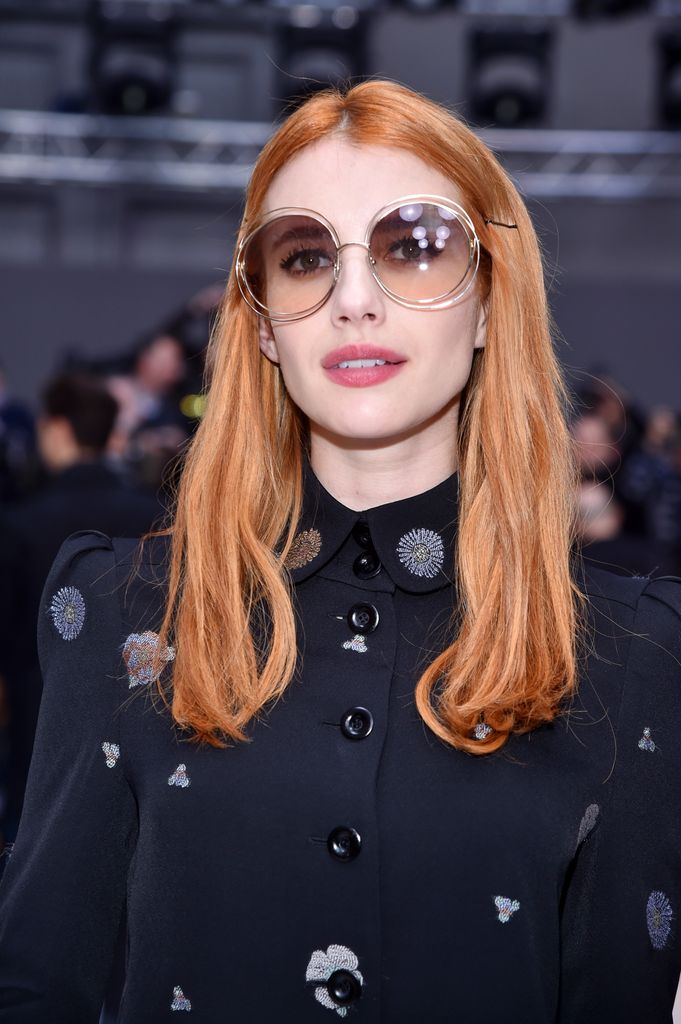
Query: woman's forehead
x=350 y=182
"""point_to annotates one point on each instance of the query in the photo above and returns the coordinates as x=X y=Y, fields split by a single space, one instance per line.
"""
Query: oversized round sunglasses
x=422 y=250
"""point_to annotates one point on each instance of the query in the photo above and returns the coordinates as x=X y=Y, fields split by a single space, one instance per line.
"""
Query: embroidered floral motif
x=356 y=644
x=112 y=752
x=646 y=742
x=68 y=612
x=180 y=1001
x=482 y=730
x=179 y=777
x=587 y=823
x=506 y=907
x=306 y=546
x=138 y=654
x=421 y=551
x=659 y=918
x=322 y=965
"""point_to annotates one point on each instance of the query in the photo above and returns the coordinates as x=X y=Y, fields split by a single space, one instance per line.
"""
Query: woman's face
x=348 y=184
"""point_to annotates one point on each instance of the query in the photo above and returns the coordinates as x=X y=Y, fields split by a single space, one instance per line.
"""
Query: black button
x=363 y=618
x=357 y=723
x=360 y=532
x=344 y=843
x=367 y=564
x=343 y=987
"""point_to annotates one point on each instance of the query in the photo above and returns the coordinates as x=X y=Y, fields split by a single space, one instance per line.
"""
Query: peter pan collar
x=413 y=537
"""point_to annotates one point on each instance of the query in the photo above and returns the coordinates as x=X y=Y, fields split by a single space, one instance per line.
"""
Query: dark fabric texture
x=88 y=495
x=325 y=868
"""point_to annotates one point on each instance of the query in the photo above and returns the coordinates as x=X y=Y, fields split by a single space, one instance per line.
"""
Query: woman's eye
x=306 y=261
x=411 y=249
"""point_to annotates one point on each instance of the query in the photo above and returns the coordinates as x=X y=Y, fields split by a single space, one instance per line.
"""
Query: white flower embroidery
x=179 y=777
x=68 y=612
x=323 y=964
x=421 y=551
x=180 y=1001
x=659 y=916
x=506 y=907
x=356 y=644
x=111 y=752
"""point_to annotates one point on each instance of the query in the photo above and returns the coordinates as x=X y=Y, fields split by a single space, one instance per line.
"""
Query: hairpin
x=499 y=224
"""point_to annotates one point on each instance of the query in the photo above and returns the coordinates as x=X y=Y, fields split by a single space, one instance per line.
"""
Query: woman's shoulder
x=95 y=571
x=84 y=551
x=602 y=585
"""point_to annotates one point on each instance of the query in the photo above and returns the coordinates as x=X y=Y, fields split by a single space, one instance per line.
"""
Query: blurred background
x=127 y=133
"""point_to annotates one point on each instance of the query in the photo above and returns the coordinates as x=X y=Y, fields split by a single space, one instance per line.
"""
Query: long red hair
x=520 y=620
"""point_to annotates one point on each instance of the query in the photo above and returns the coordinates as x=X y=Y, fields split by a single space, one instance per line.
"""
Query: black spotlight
x=425 y=6
x=610 y=8
x=509 y=76
x=319 y=48
x=132 y=58
x=669 y=79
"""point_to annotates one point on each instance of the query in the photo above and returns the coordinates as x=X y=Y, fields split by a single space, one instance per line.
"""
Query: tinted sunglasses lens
x=288 y=265
x=423 y=252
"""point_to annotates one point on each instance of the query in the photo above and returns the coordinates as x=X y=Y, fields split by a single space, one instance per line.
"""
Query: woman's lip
x=362 y=376
x=351 y=352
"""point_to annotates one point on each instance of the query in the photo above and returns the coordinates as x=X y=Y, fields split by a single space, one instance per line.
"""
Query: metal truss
x=217 y=156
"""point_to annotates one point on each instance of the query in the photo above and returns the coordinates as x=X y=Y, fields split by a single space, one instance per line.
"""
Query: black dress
x=346 y=861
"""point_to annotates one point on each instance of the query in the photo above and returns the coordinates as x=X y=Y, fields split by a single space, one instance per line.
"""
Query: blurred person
x=150 y=394
x=665 y=513
x=606 y=398
x=358 y=733
x=153 y=425
x=82 y=493
x=598 y=455
x=601 y=520
x=646 y=483
x=18 y=469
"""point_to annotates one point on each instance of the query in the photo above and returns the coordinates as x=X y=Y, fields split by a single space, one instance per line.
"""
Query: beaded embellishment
x=138 y=654
x=68 y=612
x=506 y=907
x=421 y=551
x=646 y=742
x=179 y=777
x=659 y=919
x=356 y=644
x=111 y=752
x=588 y=822
x=180 y=1001
x=321 y=967
x=306 y=546
x=482 y=730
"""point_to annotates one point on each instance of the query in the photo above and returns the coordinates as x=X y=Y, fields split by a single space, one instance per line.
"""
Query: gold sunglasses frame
x=443 y=302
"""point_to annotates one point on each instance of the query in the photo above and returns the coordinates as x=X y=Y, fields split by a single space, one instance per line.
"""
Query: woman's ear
x=268 y=345
x=481 y=328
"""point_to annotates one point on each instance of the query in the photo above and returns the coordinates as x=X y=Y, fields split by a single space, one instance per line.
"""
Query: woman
x=358 y=736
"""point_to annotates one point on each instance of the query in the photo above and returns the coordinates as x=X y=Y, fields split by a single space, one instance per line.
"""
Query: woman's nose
x=356 y=295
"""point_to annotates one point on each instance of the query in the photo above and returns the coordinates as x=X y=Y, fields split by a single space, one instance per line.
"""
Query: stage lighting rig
x=319 y=46
x=132 y=56
x=592 y=9
x=669 y=79
x=509 y=76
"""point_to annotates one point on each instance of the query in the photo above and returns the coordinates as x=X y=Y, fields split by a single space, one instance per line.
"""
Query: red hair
x=520 y=618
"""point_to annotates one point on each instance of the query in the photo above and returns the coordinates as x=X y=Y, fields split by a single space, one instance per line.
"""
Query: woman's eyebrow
x=307 y=231
x=390 y=222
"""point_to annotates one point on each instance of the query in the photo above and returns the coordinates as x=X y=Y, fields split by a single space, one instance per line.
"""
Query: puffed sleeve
x=621 y=923
x=63 y=889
